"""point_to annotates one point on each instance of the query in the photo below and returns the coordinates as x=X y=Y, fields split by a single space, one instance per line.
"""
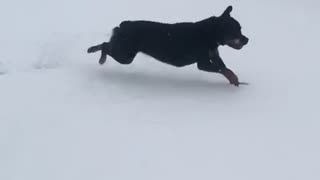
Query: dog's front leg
x=215 y=64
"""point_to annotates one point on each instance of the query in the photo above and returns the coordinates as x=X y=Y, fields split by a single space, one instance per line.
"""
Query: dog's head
x=230 y=31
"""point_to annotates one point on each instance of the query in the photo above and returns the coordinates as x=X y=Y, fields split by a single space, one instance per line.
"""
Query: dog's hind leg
x=122 y=52
x=104 y=48
x=94 y=49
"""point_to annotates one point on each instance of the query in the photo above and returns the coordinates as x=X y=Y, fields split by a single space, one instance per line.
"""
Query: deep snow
x=62 y=116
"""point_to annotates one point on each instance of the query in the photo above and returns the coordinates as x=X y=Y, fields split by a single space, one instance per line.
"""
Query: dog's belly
x=178 y=62
x=178 y=59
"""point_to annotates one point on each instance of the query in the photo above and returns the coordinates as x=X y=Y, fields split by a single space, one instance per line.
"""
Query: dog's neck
x=213 y=30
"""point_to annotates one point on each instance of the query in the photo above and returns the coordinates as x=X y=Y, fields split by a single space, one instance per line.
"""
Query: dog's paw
x=102 y=60
x=232 y=77
x=91 y=50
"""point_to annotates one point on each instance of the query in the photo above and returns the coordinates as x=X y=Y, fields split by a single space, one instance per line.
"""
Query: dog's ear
x=227 y=12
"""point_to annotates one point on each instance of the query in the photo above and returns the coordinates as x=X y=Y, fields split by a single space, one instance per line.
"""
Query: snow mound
x=3 y=69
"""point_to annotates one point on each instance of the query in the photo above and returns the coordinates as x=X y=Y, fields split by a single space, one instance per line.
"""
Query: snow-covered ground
x=64 y=117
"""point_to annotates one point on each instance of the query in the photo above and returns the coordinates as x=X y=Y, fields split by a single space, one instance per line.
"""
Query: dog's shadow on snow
x=155 y=83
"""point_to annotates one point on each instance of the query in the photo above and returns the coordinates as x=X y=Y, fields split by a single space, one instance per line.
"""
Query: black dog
x=178 y=44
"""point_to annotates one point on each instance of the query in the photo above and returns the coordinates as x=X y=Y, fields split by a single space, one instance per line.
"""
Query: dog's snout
x=245 y=40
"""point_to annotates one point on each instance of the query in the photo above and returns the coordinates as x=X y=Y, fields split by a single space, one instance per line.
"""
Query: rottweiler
x=178 y=44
